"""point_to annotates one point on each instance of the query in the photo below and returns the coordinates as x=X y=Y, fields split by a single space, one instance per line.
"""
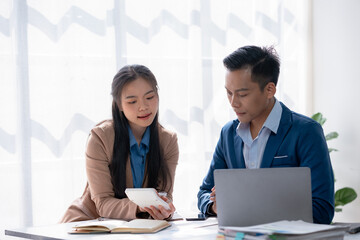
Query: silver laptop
x=247 y=197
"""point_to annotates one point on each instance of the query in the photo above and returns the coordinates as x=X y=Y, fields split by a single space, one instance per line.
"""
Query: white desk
x=179 y=230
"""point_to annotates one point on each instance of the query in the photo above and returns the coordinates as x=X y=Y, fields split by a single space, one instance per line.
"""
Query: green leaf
x=319 y=118
x=344 y=196
x=338 y=209
x=332 y=150
x=316 y=116
x=331 y=135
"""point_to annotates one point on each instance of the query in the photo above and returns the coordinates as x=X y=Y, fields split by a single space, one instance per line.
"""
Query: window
x=58 y=59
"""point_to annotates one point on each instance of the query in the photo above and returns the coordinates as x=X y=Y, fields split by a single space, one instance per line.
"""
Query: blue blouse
x=138 y=156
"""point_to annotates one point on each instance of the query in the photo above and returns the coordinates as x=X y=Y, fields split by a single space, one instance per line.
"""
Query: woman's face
x=140 y=103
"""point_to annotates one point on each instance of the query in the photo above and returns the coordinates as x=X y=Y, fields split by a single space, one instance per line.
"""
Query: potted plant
x=344 y=195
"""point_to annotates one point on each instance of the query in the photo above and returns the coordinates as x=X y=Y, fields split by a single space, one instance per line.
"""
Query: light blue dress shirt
x=254 y=148
x=138 y=156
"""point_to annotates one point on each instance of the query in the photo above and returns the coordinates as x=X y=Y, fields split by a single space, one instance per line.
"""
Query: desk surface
x=179 y=230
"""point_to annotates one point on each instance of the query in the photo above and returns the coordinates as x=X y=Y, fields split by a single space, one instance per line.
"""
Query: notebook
x=247 y=197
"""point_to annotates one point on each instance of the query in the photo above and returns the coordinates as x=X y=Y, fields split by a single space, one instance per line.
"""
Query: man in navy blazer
x=267 y=134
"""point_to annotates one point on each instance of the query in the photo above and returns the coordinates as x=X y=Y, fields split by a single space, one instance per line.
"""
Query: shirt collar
x=273 y=120
x=144 y=141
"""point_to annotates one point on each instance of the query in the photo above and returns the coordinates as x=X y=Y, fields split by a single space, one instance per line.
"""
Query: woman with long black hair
x=131 y=150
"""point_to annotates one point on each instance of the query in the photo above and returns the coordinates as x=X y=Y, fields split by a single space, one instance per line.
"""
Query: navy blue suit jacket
x=299 y=142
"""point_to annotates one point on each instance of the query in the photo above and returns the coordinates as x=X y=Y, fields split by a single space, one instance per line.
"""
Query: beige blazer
x=98 y=198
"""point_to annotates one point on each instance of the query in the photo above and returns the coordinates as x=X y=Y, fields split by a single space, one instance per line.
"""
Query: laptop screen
x=247 y=197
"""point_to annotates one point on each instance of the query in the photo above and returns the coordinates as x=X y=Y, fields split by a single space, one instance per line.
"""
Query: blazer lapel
x=129 y=177
x=239 y=156
x=275 y=140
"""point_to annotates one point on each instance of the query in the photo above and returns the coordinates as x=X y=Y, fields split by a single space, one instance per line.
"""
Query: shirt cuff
x=209 y=211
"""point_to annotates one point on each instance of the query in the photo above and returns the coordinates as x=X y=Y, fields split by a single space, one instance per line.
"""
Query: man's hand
x=213 y=198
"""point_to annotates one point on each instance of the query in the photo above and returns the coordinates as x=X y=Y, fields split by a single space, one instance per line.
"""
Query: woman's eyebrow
x=131 y=96
x=148 y=92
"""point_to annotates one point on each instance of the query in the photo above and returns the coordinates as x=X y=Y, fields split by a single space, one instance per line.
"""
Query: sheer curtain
x=57 y=61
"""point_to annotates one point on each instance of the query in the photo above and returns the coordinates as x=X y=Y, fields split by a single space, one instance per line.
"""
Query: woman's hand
x=160 y=212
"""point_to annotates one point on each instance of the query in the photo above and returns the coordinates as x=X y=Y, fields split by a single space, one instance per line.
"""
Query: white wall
x=336 y=48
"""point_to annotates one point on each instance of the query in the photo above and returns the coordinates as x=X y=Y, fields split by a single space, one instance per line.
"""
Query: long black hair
x=156 y=169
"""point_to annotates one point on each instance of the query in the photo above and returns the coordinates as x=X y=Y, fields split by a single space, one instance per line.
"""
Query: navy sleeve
x=218 y=162
x=313 y=153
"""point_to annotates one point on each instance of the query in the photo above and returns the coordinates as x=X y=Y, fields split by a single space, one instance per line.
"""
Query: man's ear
x=270 y=89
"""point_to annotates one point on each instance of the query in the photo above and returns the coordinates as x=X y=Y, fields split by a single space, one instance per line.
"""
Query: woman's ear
x=118 y=104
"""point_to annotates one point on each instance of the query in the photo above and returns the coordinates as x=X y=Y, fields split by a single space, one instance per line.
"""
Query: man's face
x=250 y=104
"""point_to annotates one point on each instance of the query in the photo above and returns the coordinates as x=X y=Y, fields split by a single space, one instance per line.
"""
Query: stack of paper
x=286 y=230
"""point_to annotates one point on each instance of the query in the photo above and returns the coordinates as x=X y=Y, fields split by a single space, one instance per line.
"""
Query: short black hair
x=263 y=62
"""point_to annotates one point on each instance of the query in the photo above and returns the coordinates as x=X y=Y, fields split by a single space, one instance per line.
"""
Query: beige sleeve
x=171 y=156
x=98 y=155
